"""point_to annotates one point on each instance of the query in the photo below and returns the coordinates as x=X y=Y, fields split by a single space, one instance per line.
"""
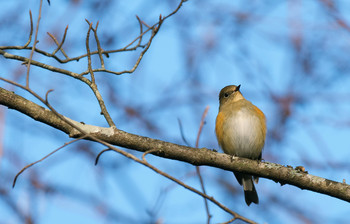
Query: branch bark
x=194 y=156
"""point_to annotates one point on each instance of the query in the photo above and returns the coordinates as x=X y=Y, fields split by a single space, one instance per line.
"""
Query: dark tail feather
x=251 y=196
x=239 y=177
x=250 y=193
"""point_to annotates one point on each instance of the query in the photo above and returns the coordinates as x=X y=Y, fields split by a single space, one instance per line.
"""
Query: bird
x=241 y=131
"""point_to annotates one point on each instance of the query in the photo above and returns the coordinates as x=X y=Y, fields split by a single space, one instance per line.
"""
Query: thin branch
x=54 y=39
x=93 y=84
x=59 y=45
x=35 y=42
x=197 y=167
x=47 y=95
x=31 y=30
x=45 y=66
x=141 y=31
x=176 y=10
x=154 y=32
x=99 y=155
x=99 y=49
x=229 y=221
x=182 y=133
x=144 y=23
x=202 y=124
x=42 y=159
x=88 y=52
x=157 y=24
x=47 y=54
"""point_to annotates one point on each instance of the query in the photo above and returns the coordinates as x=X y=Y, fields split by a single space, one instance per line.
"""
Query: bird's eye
x=226 y=95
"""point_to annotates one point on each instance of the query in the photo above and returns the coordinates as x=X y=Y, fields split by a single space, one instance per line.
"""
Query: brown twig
x=42 y=159
x=197 y=167
x=93 y=85
x=99 y=154
x=35 y=42
x=202 y=124
x=146 y=47
x=45 y=66
x=229 y=221
x=141 y=31
x=47 y=95
x=54 y=39
x=157 y=24
x=154 y=32
x=182 y=133
x=144 y=23
x=99 y=48
x=59 y=45
x=88 y=52
x=31 y=30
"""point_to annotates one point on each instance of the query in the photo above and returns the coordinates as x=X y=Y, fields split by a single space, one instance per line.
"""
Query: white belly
x=244 y=135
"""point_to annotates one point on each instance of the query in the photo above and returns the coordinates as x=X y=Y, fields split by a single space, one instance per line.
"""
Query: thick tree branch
x=198 y=157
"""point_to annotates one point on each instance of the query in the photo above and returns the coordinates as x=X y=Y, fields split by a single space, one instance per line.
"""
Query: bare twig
x=42 y=159
x=157 y=24
x=93 y=84
x=99 y=49
x=144 y=23
x=54 y=39
x=45 y=66
x=182 y=133
x=229 y=221
x=202 y=124
x=99 y=154
x=35 y=42
x=87 y=44
x=59 y=45
x=154 y=32
x=31 y=30
x=197 y=167
x=141 y=31
x=47 y=95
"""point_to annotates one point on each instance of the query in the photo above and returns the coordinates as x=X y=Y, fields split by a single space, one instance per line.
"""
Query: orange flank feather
x=259 y=111
x=262 y=120
x=218 y=127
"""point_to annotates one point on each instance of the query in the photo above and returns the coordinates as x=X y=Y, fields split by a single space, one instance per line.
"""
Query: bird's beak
x=239 y=86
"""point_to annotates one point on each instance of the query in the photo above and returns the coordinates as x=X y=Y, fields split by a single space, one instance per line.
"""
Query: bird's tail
x=250 y=193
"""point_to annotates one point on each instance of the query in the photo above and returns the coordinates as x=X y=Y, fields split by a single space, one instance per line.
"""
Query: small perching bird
x=241 y=131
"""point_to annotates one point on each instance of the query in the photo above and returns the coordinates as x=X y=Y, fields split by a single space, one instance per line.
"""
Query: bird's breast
x=243 y=134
